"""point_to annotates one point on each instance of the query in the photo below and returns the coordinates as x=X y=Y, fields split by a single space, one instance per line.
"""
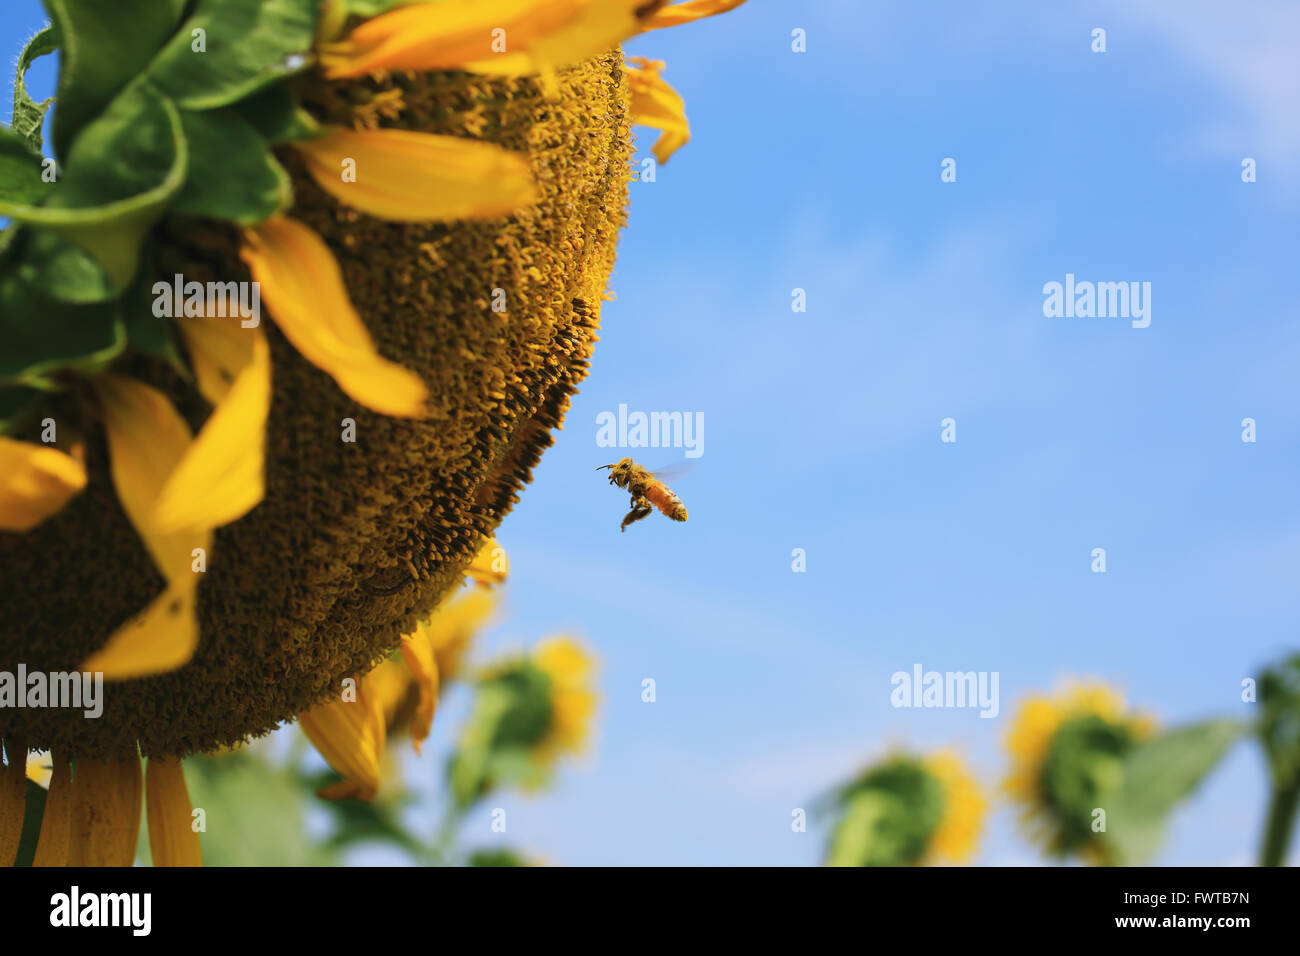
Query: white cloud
x=1249 y=48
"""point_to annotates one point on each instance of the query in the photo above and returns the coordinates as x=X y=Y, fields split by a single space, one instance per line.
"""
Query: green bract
x=158 y=114
x=887 y=815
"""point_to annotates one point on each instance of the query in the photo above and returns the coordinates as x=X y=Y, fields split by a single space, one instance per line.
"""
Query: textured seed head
x=354 y=540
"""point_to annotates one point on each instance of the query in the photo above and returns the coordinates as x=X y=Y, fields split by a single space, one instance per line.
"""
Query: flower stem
x=1281 y=819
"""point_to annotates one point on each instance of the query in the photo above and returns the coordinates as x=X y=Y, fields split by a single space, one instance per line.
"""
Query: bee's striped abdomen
x=663 y=498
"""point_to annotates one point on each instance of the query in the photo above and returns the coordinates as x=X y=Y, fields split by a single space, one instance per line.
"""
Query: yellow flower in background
x=1066 y=753
x=529 y=711
x=964 y=809
x=573 y=702
x=908 y=810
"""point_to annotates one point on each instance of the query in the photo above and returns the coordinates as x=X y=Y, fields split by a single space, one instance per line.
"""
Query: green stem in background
x=1281 y=820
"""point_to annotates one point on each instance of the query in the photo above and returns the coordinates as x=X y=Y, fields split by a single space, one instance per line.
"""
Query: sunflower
x=908 y=810
x=231 y=516
x=1067 y=754
x=529 y=711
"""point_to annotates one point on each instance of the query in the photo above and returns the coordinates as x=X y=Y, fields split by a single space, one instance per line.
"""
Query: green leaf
x=63 y=270
x=497 y=857
x=246 y=44
x=1157 y=775
x=20 y=170
x=233 y=174
x=104 y=45
x=276 y=115
x=372 y=8
x=121 y=173
x=39 y=335
x=254 y=813
x=29 y=116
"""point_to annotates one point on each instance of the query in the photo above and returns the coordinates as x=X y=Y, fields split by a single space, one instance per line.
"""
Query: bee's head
x=618 y=473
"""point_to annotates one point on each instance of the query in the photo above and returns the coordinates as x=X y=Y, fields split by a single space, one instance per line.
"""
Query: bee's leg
x=640 y=508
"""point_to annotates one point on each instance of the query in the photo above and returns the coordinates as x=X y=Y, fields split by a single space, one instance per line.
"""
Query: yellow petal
x=304 y=289
x=35 y=482
x=390 y=683
x=219 y=350
x=490 y=565
x=105 y=812
x=657 y=105
x=573 y=703
x=13 y=800
x=146 y=439
x=172 y=840
x=160 y=638
x=39 y=769
x=417 y=651
x=405 y=176
x=453 y=626
x=54 y=844
x=598 y=27
x=688 y=12
x=448 y=34
x=350 y=736
x=219 y=478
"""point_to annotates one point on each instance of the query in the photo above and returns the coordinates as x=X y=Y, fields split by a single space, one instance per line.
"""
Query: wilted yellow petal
x=219 y=479
x=219 y=349
x=303 y=287
x=657 y=105
x=13 y=800
x=452 y=34
x=172 y=840
x=105 y=812
x=405 y=176
x=35 y=482
x=350 y=736
x=490 y=565
x=692 y=10
x=160 y=638
x=146 y=439
x=53 y=847
x=417 y=651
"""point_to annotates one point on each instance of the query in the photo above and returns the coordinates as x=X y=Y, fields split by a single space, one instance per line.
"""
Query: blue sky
x=821 y=171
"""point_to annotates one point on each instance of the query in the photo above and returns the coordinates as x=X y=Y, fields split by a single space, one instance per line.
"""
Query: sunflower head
x=1067 y=754
x=229 y=517
x=908 y=810
x=416 y=355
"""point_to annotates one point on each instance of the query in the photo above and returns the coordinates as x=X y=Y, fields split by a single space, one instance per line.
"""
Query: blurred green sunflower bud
x=907 y=811
x=1068 y=755
x=528 y=712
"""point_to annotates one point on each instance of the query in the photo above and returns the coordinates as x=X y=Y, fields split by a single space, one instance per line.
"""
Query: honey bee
x=647 y=491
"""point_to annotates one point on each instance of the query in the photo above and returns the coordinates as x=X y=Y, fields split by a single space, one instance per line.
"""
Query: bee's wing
x=675 y=470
